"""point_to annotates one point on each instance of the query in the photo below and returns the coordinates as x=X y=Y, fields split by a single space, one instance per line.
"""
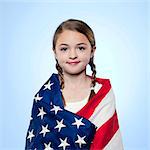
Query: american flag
x=94 y=127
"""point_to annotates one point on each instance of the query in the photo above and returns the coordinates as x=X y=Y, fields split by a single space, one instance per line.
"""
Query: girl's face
x=73 y=51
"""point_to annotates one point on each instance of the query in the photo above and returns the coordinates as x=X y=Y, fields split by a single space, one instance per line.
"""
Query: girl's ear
x=93 y=51
x=55 y=54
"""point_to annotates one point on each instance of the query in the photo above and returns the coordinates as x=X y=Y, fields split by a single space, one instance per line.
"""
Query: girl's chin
x=74 y=71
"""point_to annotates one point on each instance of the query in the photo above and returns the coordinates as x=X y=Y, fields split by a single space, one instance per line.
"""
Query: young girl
x=73 y=110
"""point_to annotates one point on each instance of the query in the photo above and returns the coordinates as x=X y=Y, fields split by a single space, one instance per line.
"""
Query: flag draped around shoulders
x=101 y=111
x=94 y=127
x=53 y=127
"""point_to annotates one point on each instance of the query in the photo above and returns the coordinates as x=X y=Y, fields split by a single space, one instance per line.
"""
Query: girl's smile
x=73 y=62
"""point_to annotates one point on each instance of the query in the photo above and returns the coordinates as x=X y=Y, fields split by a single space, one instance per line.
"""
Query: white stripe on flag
x=105 y=109
x=115 y=143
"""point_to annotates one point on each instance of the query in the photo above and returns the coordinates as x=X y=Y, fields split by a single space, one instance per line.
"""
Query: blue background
x=27 y=61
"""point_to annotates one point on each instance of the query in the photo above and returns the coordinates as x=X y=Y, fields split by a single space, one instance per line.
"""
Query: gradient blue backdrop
x=27 y=61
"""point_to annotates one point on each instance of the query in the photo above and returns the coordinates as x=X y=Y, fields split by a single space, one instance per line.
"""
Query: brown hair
x=81 y=27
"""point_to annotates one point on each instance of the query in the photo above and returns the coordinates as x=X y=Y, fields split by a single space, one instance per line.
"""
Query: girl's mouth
x=73 y=62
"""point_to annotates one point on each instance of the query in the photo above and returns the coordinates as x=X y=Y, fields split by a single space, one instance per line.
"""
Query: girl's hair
x=81 y=27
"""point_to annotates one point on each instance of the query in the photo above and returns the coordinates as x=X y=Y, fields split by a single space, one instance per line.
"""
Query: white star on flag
x=60 y=125
x=80 y=140
x=63 y=143
x=31 y=135
x=37 y=97
x=48 y=86
x=31 y=118
x=56 y=109
x=47 y=146
x=44 y=130
x=41 y=113
x=78 y=122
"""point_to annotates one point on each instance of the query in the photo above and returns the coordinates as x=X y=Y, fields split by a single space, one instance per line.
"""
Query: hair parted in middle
x=81 y=27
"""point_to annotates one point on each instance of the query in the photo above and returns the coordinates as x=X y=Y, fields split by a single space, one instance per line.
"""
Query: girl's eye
x=81 y=48
x=63 y=49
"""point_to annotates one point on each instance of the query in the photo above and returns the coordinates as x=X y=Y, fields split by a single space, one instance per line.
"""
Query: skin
x=74 y=46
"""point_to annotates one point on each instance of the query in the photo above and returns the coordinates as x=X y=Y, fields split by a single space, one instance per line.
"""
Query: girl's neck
x=74 y=81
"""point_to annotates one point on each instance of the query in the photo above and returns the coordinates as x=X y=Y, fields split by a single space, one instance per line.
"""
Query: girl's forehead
x=70 y=32
x=71 y=36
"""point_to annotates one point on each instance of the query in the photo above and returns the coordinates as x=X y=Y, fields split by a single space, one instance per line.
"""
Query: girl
x=73 y=110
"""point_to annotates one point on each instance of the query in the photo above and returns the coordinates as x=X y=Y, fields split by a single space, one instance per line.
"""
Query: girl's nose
x=72 y=54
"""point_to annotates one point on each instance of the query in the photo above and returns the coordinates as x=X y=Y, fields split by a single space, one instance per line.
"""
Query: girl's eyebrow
x=67 y=44
x=63 y=44
x=82 y=43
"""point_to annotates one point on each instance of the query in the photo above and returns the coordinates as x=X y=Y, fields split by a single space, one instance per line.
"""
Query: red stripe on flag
x=105 y=133
x=89 y=108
